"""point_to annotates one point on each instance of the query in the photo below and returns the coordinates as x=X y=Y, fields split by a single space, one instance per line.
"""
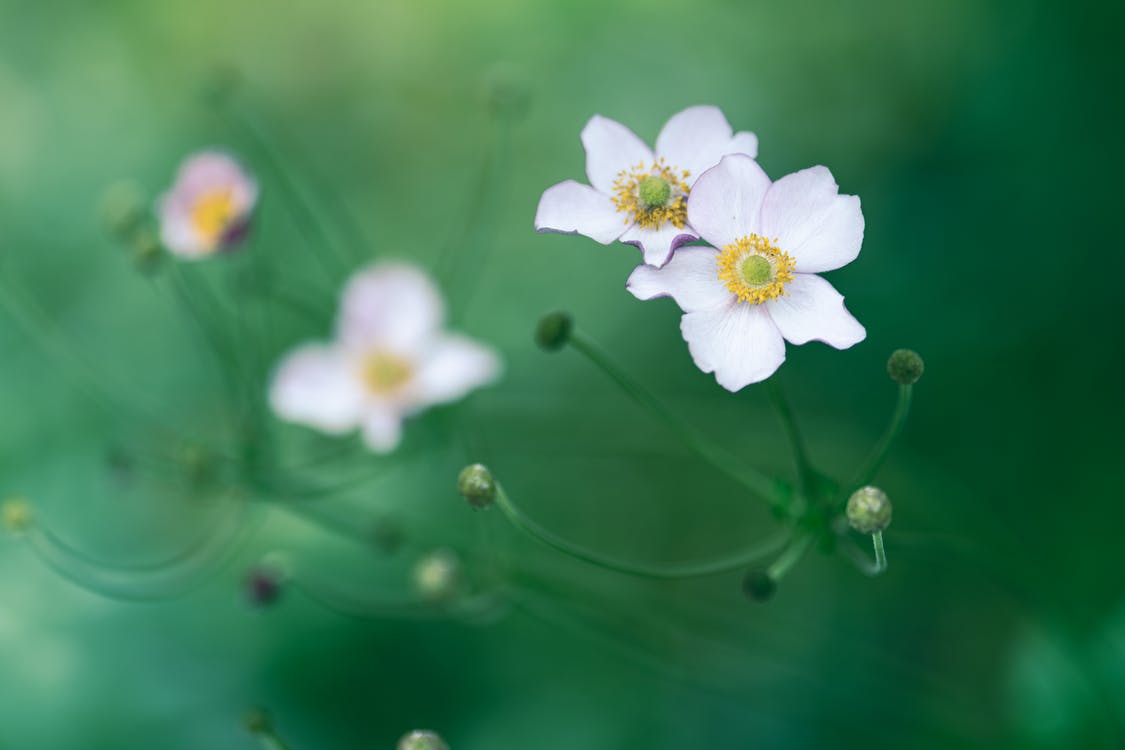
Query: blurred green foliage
x=985 y=141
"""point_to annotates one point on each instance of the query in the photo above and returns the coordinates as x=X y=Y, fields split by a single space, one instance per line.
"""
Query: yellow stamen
x=755 y=269
x=636 y=189
x=212 y=214
x=384 y=373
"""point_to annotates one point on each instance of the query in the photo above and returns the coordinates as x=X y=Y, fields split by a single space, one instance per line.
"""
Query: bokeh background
x=985 y=141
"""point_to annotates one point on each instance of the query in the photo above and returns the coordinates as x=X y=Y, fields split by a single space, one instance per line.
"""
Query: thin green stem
x=879 y=454
x=790 y=557
x=806 y=474
x=735 y=561
x=880 y=552
x=758 y=483
x=270 y=740
x=315 y=227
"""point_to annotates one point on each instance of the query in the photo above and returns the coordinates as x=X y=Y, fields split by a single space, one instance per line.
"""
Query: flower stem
x=310 y=222
x=860 y=560
x=790 y=557
x=765 y=487
x=732 y=562
x=806 y=474
x=879 y=454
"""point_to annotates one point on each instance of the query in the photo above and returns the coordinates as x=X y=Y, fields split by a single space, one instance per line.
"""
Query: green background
x=984 y=139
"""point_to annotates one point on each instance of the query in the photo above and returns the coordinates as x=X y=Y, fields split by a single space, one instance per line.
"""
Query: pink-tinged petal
x=657 y=245
x=697 y=138
x=744 y=142
x=382 y=429
x=726 y=200
x=821 y=229
x=738 y=342
x=389 y=305
x=573 y=208
x=691 y=278
x=315 y=385
x=814 y=310
x=610 y=149
x=201 y=174
x=455 y=366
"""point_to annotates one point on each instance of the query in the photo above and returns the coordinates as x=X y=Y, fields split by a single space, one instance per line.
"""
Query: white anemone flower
x=391 y=359
x=757 y=287
x=635 y=195
x=208 y=207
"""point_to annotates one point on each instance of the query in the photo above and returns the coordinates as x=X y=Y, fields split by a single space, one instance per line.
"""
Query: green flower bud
x=477 y=486
x=437 y=576
x=257 y=721
x=869 y=510
x=123 y=208
x=422 y=739
x=508 y=92
x=15 y=515
x=553 y=331
x=759 y=585
x=905 y=366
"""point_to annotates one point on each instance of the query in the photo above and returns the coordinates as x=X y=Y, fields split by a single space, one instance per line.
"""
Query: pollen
x=212 y=214
x=755 y=269
x=384 y=373
x=652 y=196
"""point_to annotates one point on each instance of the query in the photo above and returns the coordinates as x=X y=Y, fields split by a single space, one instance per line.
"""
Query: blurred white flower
x=390 y=359
x=637 y=196
x=741 y=302
x=208 y=207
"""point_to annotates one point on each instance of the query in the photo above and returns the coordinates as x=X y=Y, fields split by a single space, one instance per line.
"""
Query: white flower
x=391 y=359
x=639 y=197
x=208 y=208
x=742 y=302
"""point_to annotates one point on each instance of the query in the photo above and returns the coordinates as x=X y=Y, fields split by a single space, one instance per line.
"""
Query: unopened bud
x=509 y=92
x=263 y=586
x=553 y=331
x=905 y=366
x=437 y=576
x=422 y=739
x=123 y=208
x=15 y=515
x=869 y=510
x=477 y=486
x=759 y=585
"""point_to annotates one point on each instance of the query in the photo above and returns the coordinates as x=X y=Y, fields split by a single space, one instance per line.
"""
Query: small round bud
x=15 y=515
x=437 y=576
x=422 y=739
x=263 y=586
x=123 y=208
x=869 y=510
x=508 y=92
x=477 y=486
x=388 y=536
x=553 y=331
x=759 y=585
x=257 y=721
x=905 y=366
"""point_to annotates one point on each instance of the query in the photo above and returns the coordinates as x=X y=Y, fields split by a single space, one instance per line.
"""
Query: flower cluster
x=756 y=285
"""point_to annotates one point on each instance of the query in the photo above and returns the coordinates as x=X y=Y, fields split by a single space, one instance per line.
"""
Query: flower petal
x=573 y=208
x=382 y=429
x=389 y=305
x=697 y=138
x=455 y=366
x=657 y=245
x=315 y=385
x=738 y=342
x=610 y=149
x=821 y=229
x=744 y=142
x=814 y=310
x=691 y=278
x=726 y=200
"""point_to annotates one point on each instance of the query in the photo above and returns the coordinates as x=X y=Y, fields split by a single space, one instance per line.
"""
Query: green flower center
x=755 y=270
x=654 y=191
